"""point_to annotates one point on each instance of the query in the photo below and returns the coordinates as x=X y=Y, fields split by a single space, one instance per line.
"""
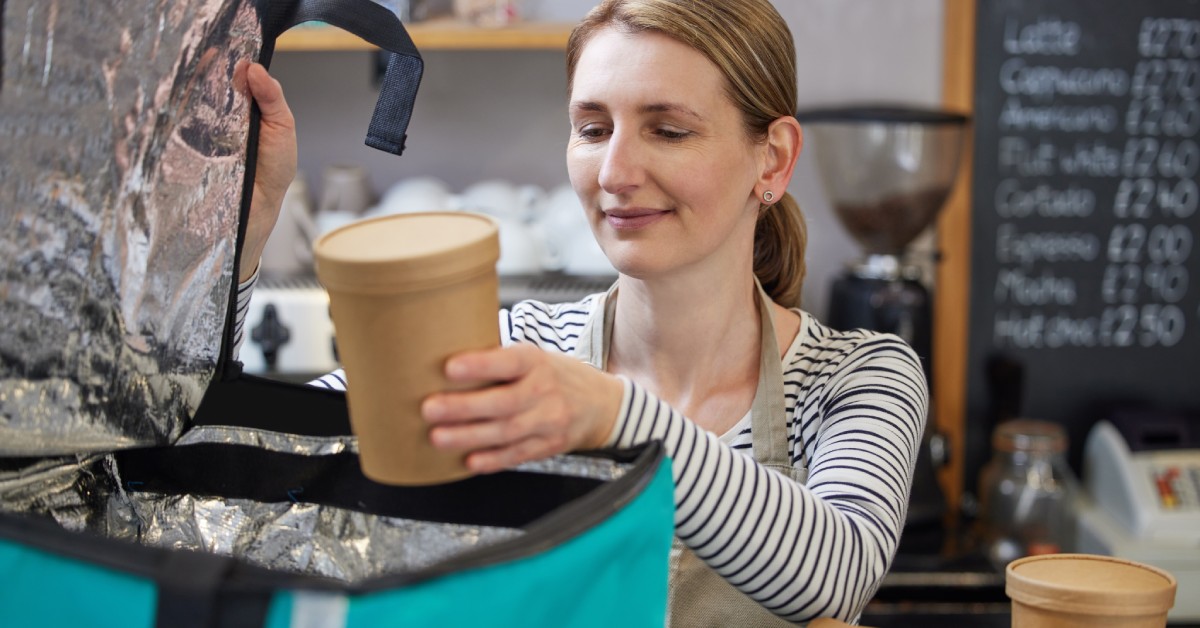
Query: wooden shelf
x=441 y=34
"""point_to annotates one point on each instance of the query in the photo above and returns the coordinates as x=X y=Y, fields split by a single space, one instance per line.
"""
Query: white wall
x=502 y=114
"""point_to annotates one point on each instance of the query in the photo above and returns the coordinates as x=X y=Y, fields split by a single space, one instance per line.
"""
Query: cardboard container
x=1085 y=590
x=405 y=293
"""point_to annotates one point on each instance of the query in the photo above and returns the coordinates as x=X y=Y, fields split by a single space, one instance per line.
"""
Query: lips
x=633 y=218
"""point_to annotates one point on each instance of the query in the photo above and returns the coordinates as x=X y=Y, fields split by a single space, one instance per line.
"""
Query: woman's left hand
x=275 y=168
x=532 y=404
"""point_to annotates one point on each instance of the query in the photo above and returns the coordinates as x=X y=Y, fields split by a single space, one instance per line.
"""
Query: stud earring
x=768 y=196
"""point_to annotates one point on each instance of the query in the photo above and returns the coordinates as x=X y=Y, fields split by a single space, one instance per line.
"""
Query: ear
x=784 y=141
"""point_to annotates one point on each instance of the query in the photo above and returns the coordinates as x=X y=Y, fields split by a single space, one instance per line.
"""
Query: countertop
x=935 y=589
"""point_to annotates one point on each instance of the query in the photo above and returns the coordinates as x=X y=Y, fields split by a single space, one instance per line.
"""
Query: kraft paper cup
x=1085 y=591
x=406 y=292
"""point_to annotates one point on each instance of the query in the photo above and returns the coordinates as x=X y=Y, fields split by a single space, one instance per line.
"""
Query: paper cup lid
x=1090 y=585
x=406 y=251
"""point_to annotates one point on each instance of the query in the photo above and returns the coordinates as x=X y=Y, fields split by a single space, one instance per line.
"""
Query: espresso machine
x=887 y=172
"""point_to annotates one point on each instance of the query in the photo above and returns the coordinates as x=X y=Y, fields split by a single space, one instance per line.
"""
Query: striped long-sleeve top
x=856 y=410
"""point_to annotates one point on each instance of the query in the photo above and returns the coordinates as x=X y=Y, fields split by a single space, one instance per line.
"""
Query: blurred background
x=500 y=114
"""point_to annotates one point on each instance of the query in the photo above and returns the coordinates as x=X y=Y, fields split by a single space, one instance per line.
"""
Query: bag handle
x=379 y=26
x=393 y=109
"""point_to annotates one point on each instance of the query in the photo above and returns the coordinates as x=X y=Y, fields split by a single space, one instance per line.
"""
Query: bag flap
x=124 y=180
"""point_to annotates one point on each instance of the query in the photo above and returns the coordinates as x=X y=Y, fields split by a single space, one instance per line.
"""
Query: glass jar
x=1028 y=494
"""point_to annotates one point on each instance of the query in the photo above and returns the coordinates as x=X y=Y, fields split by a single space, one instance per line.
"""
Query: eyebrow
x=660 y=107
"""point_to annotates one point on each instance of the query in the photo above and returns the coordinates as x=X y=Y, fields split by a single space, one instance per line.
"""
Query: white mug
x=345 y=189
x=583 y=256
x=571 y=246
x=414 y=194
x=500 y=199
x=520 y=249
x=330 y=220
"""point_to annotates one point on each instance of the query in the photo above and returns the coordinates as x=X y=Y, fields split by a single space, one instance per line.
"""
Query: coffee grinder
x=887 y=172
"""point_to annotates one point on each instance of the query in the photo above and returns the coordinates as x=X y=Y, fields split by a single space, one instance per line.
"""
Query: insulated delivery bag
x=143 y=479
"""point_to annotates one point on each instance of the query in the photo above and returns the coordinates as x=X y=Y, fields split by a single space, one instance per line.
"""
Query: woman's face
x=659 y=156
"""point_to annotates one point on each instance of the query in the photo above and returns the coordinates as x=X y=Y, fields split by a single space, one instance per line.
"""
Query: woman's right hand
x=523 y=403
x=275 y=168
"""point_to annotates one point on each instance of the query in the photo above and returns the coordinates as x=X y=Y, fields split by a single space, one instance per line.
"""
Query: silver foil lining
x=271 y=441
x=86 y=493
x=122 y=138
x=296 y=537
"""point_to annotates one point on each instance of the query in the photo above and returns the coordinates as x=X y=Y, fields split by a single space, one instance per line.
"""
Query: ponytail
x=780 y=238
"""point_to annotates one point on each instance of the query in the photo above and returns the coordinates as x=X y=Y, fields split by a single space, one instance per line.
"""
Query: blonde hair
x=752 y=46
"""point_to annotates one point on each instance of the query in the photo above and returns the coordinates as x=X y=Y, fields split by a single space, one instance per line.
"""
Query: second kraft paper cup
x=406 y=292
x=1086 y=590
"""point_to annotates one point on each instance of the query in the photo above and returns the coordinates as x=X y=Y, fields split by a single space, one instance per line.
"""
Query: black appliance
x=887 y=172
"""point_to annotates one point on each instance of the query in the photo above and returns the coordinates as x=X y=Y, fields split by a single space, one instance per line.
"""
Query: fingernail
x=432 y=409
x=455 y=368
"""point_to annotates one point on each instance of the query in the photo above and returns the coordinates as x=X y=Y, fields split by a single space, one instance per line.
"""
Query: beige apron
x=697 y=597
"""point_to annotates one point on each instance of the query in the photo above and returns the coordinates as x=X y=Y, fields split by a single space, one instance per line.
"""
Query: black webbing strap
x=260 y=403
x=389 y=123
x=509 y=499
x=377 y=25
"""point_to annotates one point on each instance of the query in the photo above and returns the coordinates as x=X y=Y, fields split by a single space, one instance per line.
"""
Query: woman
x=682 y=146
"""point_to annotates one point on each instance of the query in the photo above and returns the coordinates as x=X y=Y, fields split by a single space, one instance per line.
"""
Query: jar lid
x=1029 y=435
x=403 y=252
x=1089 y=584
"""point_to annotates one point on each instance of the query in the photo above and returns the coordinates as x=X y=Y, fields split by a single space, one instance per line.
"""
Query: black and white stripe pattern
x=244 y=291
x=857 y=404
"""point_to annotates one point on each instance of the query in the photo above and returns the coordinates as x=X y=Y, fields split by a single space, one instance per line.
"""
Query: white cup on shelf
x=570 y=245
x=521 y=250
x=289 y=248
x=345 y=189
x=415 y=194
x=583 y=256
x=329 y=220
x=501 y=199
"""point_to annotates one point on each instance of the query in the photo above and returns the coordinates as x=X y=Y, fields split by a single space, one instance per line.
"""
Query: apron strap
x=596 y=335
x=768 y=414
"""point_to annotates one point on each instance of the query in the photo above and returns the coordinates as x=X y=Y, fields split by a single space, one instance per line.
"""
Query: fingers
x=484 y=434
x=532 y=404
x=510 y=364
x=499 y=415
x=499 y=459
x=510 y=379
x=504 y=441
x=493 y=365
x=276 y=165
x=490 y=402
x=268 y=93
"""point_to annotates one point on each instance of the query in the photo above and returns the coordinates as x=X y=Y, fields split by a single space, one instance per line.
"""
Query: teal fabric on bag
x=617 y=571
x=599 y=558
x=48 y=591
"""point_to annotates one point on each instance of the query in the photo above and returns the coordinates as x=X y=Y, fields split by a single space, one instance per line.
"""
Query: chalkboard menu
x=1084 y=210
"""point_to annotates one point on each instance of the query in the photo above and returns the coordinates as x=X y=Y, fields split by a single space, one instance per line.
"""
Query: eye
x=671 y=134
x=592 y=131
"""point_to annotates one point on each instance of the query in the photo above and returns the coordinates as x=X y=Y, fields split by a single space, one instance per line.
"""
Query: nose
x=623 y=167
